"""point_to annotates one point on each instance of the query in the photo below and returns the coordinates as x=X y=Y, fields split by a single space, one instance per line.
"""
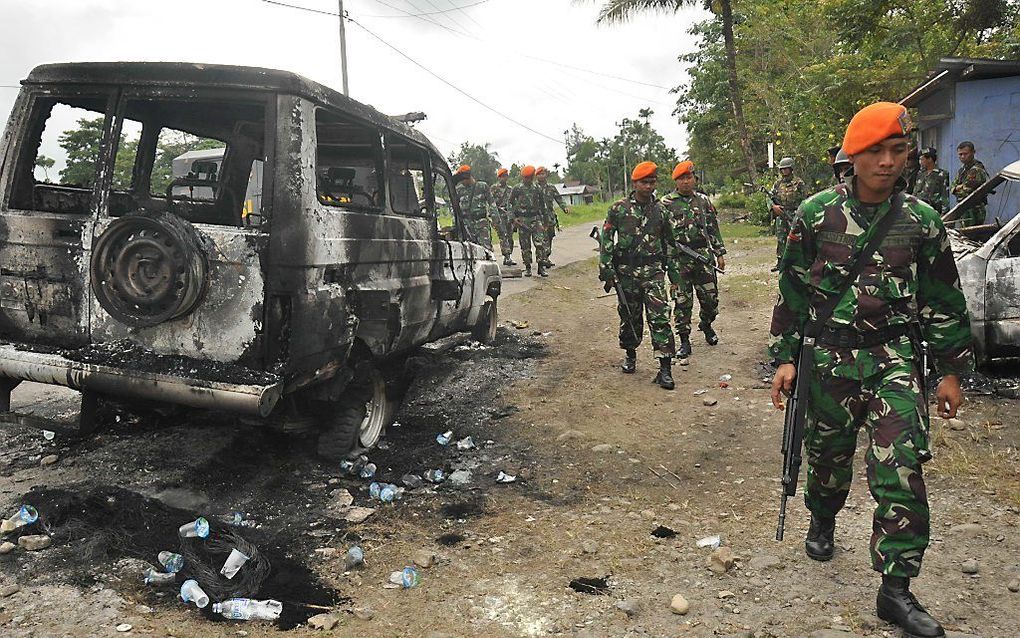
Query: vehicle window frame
x=379 y=162
x=427 y=210
x=31 y=97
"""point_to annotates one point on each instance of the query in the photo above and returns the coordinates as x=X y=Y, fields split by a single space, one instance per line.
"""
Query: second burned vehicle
x=295 y=307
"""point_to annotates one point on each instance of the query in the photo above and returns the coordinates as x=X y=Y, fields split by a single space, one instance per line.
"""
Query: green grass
x=743 y=230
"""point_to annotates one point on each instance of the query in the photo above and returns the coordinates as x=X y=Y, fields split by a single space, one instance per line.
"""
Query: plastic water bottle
x=152 y=577
x=355 y=557
x=368 y=471
x=435 y=476
x=198 y=528
x=26 y=515
x=171 y=562
x=410 y=578
x=388 y=493
x=374 y=490
x=444 y=438
x=248 y=609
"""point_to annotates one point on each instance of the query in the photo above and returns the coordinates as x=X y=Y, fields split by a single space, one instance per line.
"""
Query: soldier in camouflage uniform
x=866 y=369
x=529 y=217
x=932 y=184
x=971 y=175
x=476 y=206
x=551 y=197
x=787 y=194
x=695 y=225
x=633 y=250
x=500 y=192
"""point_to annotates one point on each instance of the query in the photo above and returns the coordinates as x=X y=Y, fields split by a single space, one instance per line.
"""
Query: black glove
x=609 y=284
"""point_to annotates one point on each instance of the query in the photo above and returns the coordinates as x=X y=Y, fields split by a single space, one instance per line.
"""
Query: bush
x=731 y=200
x=759 y=209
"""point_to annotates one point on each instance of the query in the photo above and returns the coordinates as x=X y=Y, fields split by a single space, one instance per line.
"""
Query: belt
x=855 y=339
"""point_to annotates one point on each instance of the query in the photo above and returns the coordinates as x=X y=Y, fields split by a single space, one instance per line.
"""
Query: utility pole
x=343 y=48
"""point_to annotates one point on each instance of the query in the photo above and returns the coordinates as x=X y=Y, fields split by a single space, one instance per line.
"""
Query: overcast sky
x=494 y=62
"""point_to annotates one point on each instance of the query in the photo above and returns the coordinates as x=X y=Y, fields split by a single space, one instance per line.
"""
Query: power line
x=465 y=13
x=436 y=7
x=420 y=16
x=427 y=13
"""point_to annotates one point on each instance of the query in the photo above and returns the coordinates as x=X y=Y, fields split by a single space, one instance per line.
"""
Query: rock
x=709 y=401
x=970 y=566
x=1014 y=585
x=327 y=552
x=679 y=605
x=956 y=424
x=182 y=498
x=49 y=459
x=762 y=562
x=124 y=628
x=721 y=560
x=966 y=529
x=630 y=607
x=9 y=590
x=7 y=547
x=724 y=594
x=364 y=613
x=424 y=558
x=460 y=477
x=829 y=633
x=602 y=447
x=569 y=435
x=342 y=499
x=34 y=543
x=358 y=514
x=589 y=546
x=325 y=622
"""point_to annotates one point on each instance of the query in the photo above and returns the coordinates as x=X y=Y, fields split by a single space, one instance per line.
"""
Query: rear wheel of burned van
x=488 y=321
x=358 y=418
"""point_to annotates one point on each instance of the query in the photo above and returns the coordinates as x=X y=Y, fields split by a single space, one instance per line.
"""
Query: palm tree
x=621 y=10
x=645 y=114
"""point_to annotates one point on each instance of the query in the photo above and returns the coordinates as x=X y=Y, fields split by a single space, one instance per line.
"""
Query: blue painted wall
x=987 y=113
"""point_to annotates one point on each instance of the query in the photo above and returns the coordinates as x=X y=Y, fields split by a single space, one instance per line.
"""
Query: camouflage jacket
x=500 y=193
x=694 y=223
x=968 y=178
x=526 y=200
x=789 y=193
x=475 y=200
x=912 y=276
x=552 y=197
x=635 y=239
x=933 y=188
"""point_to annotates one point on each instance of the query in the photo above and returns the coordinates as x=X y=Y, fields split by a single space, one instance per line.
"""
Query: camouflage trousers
x=531 y=230
x=550 y=233
x=782 y=226
x=646 y=296
x=699 y=280
x=480 y=232
x=505 y=232
x=975 y=216
x=890 y=405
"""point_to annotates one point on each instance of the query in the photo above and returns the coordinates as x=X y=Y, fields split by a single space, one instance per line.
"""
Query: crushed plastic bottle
x=374 y=489
x=353 y=466
x=368 y=471
x=152 y=577
x=467 y=443
x=503 y=477
x=26 y=515
x=248 y=609
x=191 y=592
x=171 y=562
x=49 y=435
x=435 y=476
x=726 y=377
x=198 y=528
x=233 y=564
x=410 y=577
x=444 y=438
x=390 y=493
x=710 y=541
x=355 y=557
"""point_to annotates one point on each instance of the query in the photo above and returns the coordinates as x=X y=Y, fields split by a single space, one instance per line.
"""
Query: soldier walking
x=529 y=217
x=932 y=182
x=695 y=225
x=550 y=196
x=971 y=175
x=633 y=250
x=787 y=194
x=476 y=206
x=866 y=366
x=500 y=192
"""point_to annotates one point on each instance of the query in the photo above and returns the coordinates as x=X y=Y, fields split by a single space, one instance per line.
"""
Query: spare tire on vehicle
x=149 y=268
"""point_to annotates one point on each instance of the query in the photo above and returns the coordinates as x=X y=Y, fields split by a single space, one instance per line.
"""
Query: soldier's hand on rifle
x=948 y=396
x=721 y=261
x=777 y=210
x=782 y=383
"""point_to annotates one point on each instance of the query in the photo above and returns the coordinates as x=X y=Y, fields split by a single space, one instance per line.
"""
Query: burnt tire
x=488 y=321
x=358 y=419
x=149 y=268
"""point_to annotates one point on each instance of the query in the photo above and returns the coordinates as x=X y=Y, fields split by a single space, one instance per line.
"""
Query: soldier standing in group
x=633 y=250
x=500 y=192
x=971 y=175
x=529 y=216
x=787 y=194
x=476 y=206
x=932 y=184
x=912 y=168
x=550 y=196
x=695 y=225
x=865 y=368
x=840 y=166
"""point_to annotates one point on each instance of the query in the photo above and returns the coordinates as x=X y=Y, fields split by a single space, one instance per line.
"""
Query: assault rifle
x=620 y=297
x=693 y=254
x=793 y=429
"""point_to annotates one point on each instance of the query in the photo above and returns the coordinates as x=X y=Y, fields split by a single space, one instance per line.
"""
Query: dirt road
x=602 y=460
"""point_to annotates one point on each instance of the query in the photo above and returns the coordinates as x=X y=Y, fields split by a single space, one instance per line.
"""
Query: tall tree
x=483 y=161
x=621 y=10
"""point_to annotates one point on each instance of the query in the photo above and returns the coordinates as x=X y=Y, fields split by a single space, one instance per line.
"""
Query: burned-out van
x=122 y=278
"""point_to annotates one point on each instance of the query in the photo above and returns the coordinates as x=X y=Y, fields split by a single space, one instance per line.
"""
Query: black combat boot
x=629 y=364
x=710 y=336
x=819 y=543
x=897 y=605
x=685 y=347
x=527 y=270
x=665 y=376
x=541 y=270
x=507 y=261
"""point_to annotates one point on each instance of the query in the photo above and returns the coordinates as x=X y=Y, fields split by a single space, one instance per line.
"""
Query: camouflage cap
x=786 y=162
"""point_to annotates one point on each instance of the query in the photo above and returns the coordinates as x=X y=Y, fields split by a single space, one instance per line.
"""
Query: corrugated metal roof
x=960 y=70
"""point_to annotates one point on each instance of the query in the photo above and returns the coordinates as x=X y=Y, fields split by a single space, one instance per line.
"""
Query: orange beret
x=528 y=171
x=643 y=170
x=501 y=172
x=540 y=170
x=684 y=167
x=875 y=123
x=464 y=168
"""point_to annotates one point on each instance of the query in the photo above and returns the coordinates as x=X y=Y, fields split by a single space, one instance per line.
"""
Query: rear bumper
x=22 y=363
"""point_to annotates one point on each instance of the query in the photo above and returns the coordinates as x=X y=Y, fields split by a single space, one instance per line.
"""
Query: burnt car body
x=121 y=279
x=988 y=257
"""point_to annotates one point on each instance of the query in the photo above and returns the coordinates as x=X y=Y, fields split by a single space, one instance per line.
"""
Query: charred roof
x=188 y=74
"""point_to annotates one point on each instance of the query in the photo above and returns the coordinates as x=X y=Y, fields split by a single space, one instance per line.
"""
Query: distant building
x=972 y=99
x=576 y=193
